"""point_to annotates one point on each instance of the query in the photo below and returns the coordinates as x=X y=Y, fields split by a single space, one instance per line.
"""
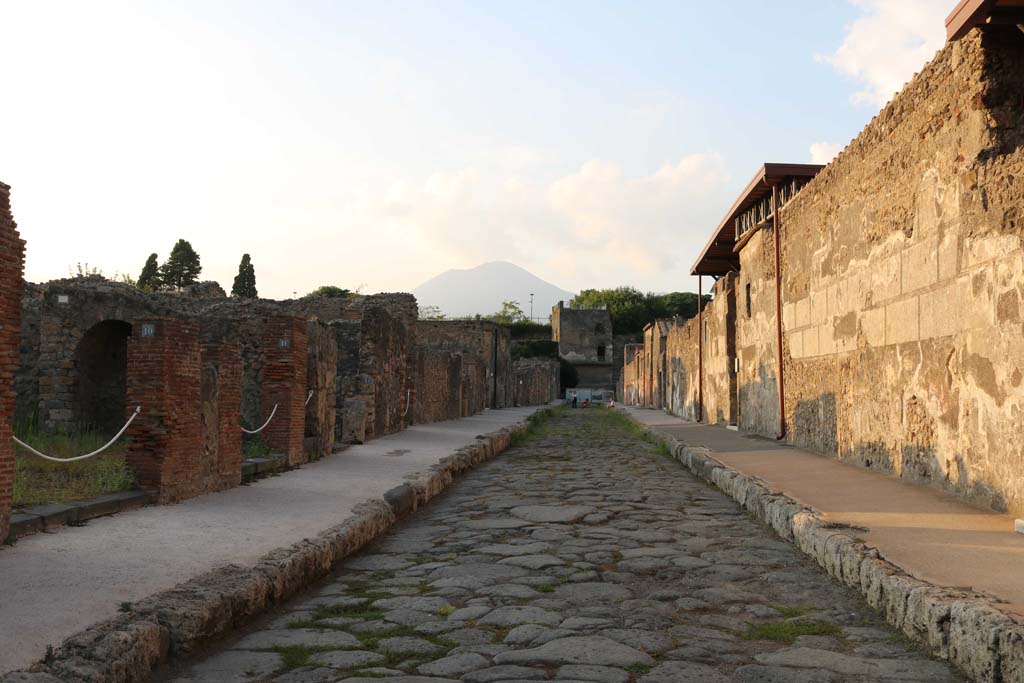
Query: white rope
x=309 y=397
x=257 y=431
x=44 y=456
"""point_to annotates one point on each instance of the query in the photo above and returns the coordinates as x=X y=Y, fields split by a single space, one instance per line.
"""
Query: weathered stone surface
x=565 y=514
x=578 y=650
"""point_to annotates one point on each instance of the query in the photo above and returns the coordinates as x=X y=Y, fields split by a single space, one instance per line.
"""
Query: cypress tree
x=182 y=267
x=245 y=281
x=149 y=280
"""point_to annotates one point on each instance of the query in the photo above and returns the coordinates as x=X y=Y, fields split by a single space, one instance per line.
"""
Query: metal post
x=778 y=310
x=700 y=348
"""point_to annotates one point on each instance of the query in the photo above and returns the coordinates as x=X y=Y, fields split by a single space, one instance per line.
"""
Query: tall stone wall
x=903 y=274
x=490 y=342
x=439 y=382
x=384 y=349
x=757 y=337
x=536 y=381
x=12 y=261
x=322 y=381
x=284 y=385
x=682 y=348
x=630 y=392
x=584 y=335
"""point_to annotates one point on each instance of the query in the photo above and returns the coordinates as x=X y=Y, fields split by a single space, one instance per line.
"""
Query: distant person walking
x=574 y=399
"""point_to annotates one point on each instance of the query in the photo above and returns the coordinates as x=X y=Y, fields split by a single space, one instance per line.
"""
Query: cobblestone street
x=582 y=554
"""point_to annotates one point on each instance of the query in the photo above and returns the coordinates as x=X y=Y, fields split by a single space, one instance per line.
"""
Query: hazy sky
x=376 y=144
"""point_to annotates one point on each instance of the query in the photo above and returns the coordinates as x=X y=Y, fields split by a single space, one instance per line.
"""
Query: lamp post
x=531 y=308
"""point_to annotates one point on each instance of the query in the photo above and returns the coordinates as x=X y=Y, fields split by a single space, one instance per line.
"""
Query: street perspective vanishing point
x=810 y=470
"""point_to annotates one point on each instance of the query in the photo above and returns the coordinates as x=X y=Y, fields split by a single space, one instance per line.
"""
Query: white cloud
x=885 y=47
x=595 y=226
x=824 y=152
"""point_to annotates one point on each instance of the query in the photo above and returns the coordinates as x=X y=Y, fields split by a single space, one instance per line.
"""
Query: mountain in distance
x=483 y=289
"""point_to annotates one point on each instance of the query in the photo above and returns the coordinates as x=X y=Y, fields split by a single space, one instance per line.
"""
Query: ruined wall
x=384 y=350
x=12 y=261
x=720 y=381
x=322 y=381
x=220 y=466
x=284 y=385
x=488 y=341
x=681 y=348
x=903 y=274
x=630 y=392
x=439 y=382
x=354 y=389
x=26 y=374
x=584 y=335
x=757 y=336
x=165 y=440
x=536 y=381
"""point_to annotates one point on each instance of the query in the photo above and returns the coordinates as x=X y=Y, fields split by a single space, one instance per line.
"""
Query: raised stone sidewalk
x=946 y=574
x=227 y=555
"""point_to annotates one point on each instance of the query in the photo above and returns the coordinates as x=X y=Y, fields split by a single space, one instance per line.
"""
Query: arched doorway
x=101 y=360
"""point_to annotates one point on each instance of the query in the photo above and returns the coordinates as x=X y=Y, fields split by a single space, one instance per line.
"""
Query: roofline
x=965 y=16
x=767 y=169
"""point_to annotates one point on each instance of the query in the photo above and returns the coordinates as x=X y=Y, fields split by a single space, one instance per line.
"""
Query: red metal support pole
x=700 y=348
x=778 y=311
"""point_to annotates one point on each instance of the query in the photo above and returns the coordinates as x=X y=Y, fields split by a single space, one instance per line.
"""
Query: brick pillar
x=222 y=411
x=165 y=449
x=284 y=385
x=12 y=261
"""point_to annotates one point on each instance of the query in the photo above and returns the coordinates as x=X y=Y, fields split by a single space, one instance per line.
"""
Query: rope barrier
x=257 y=431
x=44 y=456
x=408 y=396
x=308 y=397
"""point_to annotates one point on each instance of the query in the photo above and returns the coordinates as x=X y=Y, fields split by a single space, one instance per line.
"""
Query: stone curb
x=960 y=626
x=182 y=620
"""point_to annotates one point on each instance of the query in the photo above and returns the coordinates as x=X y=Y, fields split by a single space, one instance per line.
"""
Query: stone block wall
x=12 y=261
x=221 y=404
x=164 y=369
x=630 y=392
x=584 y=335
x=490 y=342
x=439 y=385
x=683 y=391
x=284 y=385
x=322 y=380
x=903 y=274
x=536 y=381
x=385 y=344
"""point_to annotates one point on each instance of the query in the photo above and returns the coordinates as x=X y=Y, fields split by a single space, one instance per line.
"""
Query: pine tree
x=182 y=266
x=245 y=281
x=149 y=280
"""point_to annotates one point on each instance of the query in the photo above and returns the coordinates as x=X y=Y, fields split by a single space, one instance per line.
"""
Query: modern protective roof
x=970 y=13
x=718 y=257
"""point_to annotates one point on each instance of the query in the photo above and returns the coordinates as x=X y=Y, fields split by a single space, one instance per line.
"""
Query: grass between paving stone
x=334 y=611
x=294 y=656
x=789 y=631
x=38 y=481
x=537 y=425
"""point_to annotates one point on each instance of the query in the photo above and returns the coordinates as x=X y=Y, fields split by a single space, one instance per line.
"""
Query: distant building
x=584 y=337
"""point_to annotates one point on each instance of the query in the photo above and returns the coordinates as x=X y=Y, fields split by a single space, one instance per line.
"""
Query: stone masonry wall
x=164 y=379
x=284 y=382
x=12 y=261
x=630 y=394
x=681 y=359
x=322 y=380
x=536 y=381
x=583 y=335
x=491 y=342
x=439 y=382
x=221 y=398
x=903 y=275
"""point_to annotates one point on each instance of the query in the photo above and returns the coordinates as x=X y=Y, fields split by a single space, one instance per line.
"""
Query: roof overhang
x=970 y=13
x=719 y=257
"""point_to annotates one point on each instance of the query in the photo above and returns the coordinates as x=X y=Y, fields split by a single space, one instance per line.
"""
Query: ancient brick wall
x=536 y=381
x=682 y=348
x=584 y=336
x=165 y=440
x=322 y=380
x=630 y=392
x=284 y=385
x=220 y=407
x=903 y=274
x=12 y=261
x=354 y=389
x=439 y=385
x=475 y=385
x=488 y=341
